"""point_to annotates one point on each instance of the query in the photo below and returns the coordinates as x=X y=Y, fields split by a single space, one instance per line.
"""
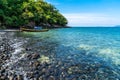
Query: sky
x=89 y=12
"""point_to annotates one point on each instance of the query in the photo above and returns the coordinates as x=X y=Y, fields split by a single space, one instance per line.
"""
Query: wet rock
x=40 y=78
x=30 y=74
x=29 y=56
x=20 y=77
x=11 y=78
x=32 y=56
x=51 y=78
x=44 y=59
x=3 y=77
x=43 y=70
x=83 y=77
x=28 y=49
x=2 y=70
x=36 y=64
x=74 y=70
x=35 y=78
x=35 y=56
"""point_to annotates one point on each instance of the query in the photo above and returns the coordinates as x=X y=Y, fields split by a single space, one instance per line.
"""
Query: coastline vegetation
x=16 y=13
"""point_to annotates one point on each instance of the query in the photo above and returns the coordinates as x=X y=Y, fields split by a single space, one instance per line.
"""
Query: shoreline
x=9 y=30
x=18 y=30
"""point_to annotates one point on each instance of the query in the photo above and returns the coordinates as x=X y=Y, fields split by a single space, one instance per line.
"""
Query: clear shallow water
x=80 y=46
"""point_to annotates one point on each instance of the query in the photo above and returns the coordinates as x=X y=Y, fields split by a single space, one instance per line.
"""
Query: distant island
x=17 y=13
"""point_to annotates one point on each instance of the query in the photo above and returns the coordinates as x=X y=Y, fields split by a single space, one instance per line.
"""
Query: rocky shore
x=9 y=50
x=22 y=61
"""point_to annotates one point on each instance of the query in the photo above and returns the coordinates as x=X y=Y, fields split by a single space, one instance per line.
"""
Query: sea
x=94 y=50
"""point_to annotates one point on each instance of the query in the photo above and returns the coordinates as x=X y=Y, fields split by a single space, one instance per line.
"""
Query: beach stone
x=30 y=74
x=35 y=56
x=19 y=77
x=74 y=70
x=32 y=56
x=29 y=56
x=75 y=79
x=40 y=78
x=44 y=59
x=36 y=63
x=34 y=78
x=2 y=70
x=28 y=49
x=51 y=78
x=43 y=70
x=3 y=77
x=83 y=77
x=11 y=78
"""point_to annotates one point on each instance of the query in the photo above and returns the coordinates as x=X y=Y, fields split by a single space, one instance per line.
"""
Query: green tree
x=17 y=13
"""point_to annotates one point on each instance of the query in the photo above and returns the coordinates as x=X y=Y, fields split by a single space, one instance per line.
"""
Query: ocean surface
x=96 y=49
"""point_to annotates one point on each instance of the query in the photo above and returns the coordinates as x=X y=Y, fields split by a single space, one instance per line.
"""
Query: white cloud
x=89 y=19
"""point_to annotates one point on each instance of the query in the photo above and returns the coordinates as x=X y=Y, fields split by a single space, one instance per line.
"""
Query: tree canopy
x=16 y=13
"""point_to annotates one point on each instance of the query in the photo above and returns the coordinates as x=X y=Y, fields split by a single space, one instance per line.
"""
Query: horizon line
x=94 y=26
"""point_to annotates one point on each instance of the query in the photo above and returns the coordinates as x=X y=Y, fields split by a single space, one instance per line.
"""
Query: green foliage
x=17 y=13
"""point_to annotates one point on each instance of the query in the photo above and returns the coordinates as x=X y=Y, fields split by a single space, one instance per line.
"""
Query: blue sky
x=89 y=12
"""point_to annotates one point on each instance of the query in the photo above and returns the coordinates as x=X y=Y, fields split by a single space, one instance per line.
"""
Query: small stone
x=30 y=74
x=36 y=64
x=2 y=70
x=19 y=77
x=3 y=77
x=29 y=56
x=44 y=59
x=40 y=78
x=51 y=78
x=11 y=78
x=84 y=77
x=43 y=70
x=35 y=78
x=28 y=49
x=35 y=56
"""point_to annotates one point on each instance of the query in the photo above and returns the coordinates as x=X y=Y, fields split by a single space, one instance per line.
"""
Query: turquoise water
x=100 y=46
